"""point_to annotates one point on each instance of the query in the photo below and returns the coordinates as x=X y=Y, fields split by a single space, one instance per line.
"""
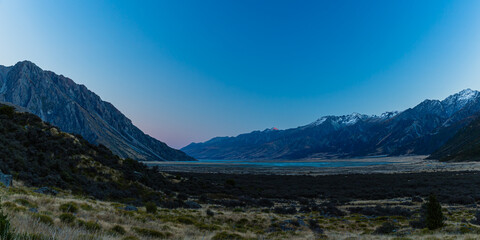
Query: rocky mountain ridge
x=418 y=130
x=75 y=109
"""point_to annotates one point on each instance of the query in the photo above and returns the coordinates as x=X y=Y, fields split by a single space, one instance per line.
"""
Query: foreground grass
x=37 y=216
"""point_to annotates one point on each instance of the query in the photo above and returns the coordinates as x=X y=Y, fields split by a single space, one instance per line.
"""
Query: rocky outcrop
x=75 y=109
x=6 y=179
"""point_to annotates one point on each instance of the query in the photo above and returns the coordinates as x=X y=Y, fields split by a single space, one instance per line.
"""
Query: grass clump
x=185 y=220
x=44 y=219
x=86 y=207
x=69 y=207
x=207 y=227
x=25 y=202
x=10 y=205
x=89 y=225
x=118 y=230
x=67 y=218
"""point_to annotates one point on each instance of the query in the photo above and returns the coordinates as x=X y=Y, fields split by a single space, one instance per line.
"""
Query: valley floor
x=37 y=216
x=254 y=205
x=401 y=164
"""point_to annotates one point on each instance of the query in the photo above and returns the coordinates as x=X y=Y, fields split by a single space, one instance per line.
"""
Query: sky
x=187 y=71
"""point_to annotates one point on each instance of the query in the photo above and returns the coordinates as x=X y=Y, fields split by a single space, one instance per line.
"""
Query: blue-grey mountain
x=418 y=130
x=75 y=109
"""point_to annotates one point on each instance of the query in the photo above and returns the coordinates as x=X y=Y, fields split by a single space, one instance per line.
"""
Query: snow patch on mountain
x=351 y=119
x=319 y=121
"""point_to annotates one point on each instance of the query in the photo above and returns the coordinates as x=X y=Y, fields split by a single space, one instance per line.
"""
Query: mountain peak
x=463 y=95
x=26 y=63
x=75 y=109
x=455 y=102
x=467 y=94
x=27 y=66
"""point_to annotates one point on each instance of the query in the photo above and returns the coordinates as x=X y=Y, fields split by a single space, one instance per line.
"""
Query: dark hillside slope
x=39 y=154
x=464 y=146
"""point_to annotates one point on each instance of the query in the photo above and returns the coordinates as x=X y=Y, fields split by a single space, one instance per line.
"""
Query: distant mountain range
x=418 y=130
x=75 y=109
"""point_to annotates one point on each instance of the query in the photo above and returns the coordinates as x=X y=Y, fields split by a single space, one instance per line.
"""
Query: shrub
x=210 y=213
x=237 y=210
x=313 y=225
x=44 y=219
x=285 y=210
x=119 y=229
x=386 y=228
x=151 y=233
x=67 y=218
x=381 y=211
x=420 y=224
x=230 y=182
x=477 y=218
x=433 y=215
x=7 y=110
x=70 y=207
x=185 y=220
x=151 y=207
x=182 y=196
x=5 y=228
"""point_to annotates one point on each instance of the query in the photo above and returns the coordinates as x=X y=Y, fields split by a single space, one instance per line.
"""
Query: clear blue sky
x=187 y=71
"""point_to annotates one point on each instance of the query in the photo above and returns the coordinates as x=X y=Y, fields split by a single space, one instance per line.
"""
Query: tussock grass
x=93 y=219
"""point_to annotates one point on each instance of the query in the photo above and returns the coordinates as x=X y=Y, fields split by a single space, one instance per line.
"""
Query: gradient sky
x=187 y=71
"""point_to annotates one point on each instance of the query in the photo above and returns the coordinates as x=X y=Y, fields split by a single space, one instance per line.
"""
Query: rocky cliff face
x=75 y=109
x=418 y=130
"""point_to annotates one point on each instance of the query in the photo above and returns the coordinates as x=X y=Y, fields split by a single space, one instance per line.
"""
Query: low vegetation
x=358 y=219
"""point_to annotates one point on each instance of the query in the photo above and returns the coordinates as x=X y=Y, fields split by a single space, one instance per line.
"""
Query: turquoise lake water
x=273 y=163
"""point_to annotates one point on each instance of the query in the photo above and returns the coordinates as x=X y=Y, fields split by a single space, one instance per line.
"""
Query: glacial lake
x=283 y=163
x=378 y=164
x=205 y=164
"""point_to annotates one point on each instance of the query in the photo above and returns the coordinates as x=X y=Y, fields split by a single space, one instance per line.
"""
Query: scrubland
x=67 y=216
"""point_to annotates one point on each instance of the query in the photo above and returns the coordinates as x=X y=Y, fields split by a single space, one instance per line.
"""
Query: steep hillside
x=418 y=130
x=39 y=154
x=75 y=109
x=464 y=146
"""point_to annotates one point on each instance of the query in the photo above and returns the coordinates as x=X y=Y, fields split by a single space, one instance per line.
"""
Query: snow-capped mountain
x=417 y=130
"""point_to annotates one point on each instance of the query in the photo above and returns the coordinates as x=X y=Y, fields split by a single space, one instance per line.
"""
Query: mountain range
x=418 y=130
x=75 y=109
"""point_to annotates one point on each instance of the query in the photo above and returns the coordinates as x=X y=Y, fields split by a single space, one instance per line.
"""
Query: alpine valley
x=418 y=131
